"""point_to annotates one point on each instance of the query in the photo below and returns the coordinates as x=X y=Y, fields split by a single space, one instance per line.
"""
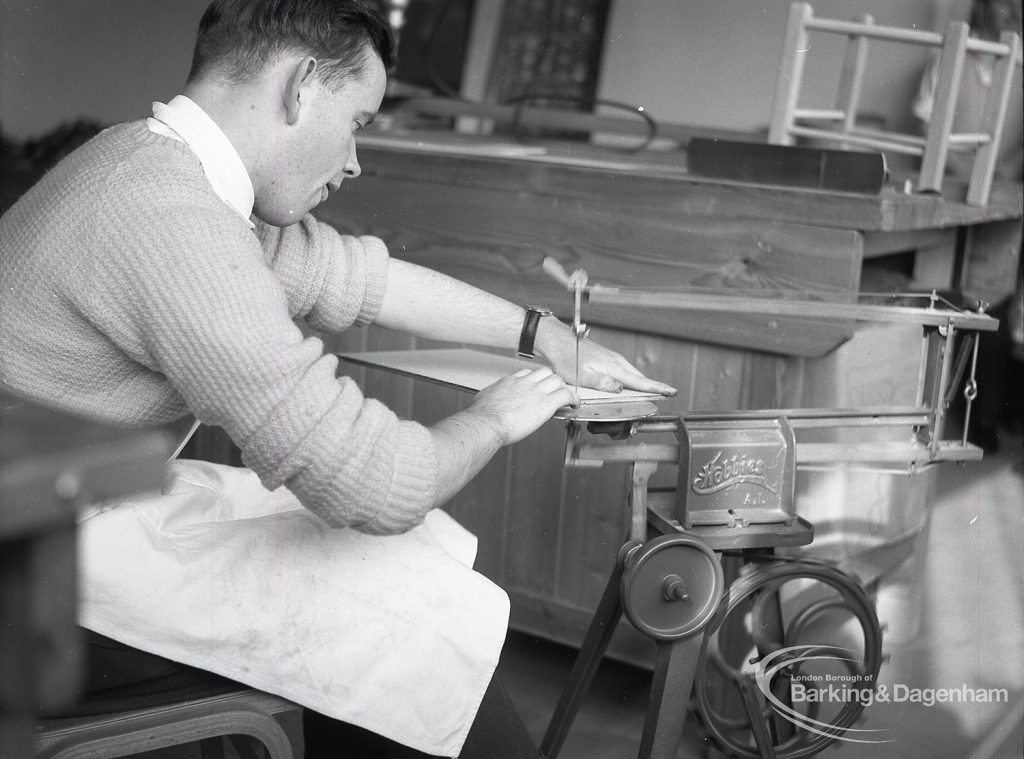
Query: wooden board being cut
x=473 y=370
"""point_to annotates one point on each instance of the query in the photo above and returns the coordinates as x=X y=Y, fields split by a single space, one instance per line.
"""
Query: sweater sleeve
x=201 y=307
x=332 y=280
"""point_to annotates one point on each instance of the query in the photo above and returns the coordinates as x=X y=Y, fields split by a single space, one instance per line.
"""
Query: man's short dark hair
x=237 y=38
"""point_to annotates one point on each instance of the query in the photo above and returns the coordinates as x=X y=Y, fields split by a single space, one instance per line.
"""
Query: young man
x=155 y=274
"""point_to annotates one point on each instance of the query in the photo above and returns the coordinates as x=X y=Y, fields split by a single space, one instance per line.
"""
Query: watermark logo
x=849 y=691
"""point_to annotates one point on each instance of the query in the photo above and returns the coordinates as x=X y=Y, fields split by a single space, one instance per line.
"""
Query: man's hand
x=518 y=404
x=599 y=368
x=500 y=414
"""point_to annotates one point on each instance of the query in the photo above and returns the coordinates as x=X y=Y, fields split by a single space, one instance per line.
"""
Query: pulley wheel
x=671 y=587
x=822 y=609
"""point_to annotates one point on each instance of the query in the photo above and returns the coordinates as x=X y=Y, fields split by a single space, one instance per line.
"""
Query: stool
x=789 y=121
x=246 y=713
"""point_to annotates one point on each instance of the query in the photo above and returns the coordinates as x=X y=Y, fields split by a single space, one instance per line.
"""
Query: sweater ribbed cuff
x=376 y=278
x=411 y=494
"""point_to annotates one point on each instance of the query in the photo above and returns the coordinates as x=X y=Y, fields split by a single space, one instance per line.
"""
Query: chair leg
x=936 y=146
x=994 y=119
x=851 y=76
x=791 y=68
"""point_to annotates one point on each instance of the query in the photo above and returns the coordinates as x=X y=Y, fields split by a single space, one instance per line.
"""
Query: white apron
x=395 y=634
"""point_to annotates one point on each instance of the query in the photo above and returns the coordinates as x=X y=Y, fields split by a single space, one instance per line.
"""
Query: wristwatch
x=529 y=333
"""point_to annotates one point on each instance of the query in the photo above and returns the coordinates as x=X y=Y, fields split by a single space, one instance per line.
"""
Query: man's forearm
x=425 y=303
x=428 y=304
x=464 y=444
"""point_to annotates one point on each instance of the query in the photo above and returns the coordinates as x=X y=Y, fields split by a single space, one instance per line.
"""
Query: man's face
x=316 y=153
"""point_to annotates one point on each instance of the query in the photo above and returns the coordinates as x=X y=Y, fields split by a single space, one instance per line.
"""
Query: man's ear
x=300 y=75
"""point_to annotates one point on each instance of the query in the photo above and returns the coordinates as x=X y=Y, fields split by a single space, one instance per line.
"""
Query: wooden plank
x=498 y=240
x=535 y=491
x=767 y=381
x=719 y=384
x=484 y=508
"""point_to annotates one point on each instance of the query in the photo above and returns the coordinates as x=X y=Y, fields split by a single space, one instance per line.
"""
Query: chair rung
x=895 y=145
x=819 y=114
x=874 y=31
x=878 y=134
x=997 y=49
x=970 y=138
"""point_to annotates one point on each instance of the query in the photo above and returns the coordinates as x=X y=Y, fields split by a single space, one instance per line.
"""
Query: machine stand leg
x=670 y=695
x=602 y=626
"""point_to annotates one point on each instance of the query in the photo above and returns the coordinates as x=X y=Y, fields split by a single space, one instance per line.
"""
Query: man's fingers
x=551 y=383
x=564 y=396
x=538 y=374
x=652 y=386
x=634 y=380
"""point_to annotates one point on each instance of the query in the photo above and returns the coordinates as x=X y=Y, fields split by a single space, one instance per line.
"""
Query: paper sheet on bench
x=472 y=370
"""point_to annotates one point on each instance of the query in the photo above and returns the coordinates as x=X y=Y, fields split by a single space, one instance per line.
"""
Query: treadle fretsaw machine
x=737 y=624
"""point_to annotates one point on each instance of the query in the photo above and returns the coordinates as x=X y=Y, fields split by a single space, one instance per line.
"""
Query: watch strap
x=528 y=335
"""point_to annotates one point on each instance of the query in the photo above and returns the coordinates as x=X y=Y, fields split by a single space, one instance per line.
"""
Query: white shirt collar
x=183 y=120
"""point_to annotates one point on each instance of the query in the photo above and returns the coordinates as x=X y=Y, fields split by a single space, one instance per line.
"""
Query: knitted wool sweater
x=130 y=293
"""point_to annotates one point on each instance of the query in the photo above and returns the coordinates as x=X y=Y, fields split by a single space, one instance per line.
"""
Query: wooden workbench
x=489 y=213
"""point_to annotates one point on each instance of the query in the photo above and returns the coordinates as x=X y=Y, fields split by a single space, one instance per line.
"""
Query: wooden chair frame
x=244 y=714
x=789 y=121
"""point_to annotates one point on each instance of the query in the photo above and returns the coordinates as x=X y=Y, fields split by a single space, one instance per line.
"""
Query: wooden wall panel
x=497 y=241
x=535 y=493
